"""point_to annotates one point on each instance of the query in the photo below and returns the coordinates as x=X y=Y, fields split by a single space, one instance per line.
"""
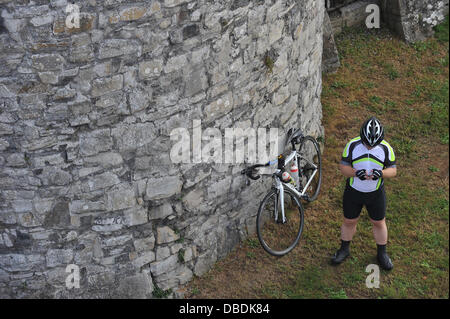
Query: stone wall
x=330 y=55
x=353 y=14
x=413 y=20
x=85 y=118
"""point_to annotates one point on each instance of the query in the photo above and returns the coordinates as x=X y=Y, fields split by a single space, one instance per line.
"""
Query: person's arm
x=347 y=170
x=389 y=172
x=345 y=165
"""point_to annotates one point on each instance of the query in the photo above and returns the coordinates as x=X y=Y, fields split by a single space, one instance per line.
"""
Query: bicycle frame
x=279 y=184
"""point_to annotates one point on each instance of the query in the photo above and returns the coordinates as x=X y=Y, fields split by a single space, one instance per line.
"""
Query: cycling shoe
x=385 y=261
x=339 y=256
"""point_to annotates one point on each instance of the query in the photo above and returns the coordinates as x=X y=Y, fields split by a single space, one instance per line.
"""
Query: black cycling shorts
x=354 y=201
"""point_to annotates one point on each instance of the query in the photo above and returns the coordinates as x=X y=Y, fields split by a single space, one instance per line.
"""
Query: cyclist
x=367 y=160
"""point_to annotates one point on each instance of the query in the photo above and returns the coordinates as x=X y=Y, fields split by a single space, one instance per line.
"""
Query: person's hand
x=361 y=174
x=376 y=174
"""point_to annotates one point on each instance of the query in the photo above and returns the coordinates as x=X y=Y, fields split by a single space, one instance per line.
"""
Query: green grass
x=354 y=104
x=250 y=255
x=434 y=70
x=181 y=255
x=391 y=72
x=195 y=291
x=441 y=31
x=375 y=99
x=336 y=294
x=339 y=85
x=434 y=121
x=269 y=63
x=368 y=85
x=404 y=146
x=328 y=109
x=161 y=294
x=253 y=242
x=433 y=168
x=310 y=283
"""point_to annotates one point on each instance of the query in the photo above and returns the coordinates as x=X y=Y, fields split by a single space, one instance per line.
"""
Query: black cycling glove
x=361 y=174
x=376 y=174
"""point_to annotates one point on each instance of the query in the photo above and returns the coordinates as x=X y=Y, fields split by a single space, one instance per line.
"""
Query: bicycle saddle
x=294 y=136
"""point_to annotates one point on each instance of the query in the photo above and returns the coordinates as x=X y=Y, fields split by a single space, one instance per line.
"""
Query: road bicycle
x=280 y=218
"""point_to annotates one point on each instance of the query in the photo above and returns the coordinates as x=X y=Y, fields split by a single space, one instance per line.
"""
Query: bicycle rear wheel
x=276 y=237
x=310 y=163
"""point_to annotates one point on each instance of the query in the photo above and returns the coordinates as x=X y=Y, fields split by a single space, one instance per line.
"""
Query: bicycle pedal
x=305 y=197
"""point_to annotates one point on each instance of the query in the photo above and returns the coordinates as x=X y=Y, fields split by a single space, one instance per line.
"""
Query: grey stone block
x=117 y=47
x=107 y=85
x=120 y=197
x=135 y=216
x=131 y=137
x=161 y=212
x=102 y=181
x=144 y=244
x=159 y=188
x=166 y=235
x=144 y=259
x=20 y=262
x=57 y=257
x=160 y=267
x=139 y=286
x=47 y=62
x=92 y=143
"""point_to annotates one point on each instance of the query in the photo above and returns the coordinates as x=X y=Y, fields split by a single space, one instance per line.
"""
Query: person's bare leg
x=380 y=232
x=348 y=228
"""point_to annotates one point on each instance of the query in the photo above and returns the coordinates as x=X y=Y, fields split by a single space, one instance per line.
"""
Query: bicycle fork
x=279 y=198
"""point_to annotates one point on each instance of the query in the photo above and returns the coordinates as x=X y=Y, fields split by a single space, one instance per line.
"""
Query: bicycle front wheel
x=276 y=236
x=310 y=167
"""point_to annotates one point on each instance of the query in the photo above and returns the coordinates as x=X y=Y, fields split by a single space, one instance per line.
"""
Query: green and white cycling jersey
x=357 y=155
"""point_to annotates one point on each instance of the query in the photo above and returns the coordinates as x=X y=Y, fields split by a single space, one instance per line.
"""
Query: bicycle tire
x=317 y=181
x=270 y=231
